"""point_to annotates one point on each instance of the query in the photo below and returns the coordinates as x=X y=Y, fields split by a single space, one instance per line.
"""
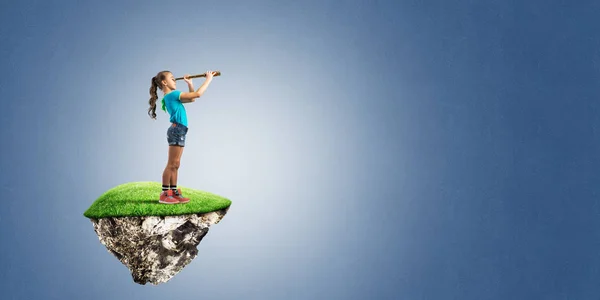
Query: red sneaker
x=167 y=198
x=180 y=197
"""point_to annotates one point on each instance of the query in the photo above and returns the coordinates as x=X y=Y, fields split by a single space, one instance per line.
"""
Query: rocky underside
x=155 y=248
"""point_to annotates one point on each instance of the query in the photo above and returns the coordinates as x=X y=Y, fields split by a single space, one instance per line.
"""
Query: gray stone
x=155 y=248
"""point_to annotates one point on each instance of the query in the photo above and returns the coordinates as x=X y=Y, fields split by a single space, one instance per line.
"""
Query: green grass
x=141 y=199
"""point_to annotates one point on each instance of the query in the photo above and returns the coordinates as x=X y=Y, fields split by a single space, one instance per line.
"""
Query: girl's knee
x=174 y=165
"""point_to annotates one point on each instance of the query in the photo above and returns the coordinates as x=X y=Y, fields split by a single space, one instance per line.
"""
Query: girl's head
x=166 y=82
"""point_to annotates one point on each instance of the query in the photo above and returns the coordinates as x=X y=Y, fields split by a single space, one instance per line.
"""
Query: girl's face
x=170 y=81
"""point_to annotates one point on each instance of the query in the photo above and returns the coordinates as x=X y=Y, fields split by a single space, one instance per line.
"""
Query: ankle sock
x=174 y=188
x=165 y=188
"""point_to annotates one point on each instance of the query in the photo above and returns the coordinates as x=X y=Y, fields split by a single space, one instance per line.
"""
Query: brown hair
x=156 y=83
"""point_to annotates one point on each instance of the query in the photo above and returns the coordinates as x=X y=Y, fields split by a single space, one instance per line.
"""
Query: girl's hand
x=187 y=79
x=209 y=75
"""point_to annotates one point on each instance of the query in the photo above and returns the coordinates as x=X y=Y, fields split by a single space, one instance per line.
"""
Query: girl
x=172 y=102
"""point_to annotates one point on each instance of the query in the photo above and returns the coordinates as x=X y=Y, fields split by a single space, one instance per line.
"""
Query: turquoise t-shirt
x=175 y=108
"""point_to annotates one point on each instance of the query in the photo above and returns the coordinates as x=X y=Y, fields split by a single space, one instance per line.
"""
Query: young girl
x=172 y=102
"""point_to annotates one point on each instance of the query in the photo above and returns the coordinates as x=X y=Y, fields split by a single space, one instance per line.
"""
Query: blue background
x=372 y=149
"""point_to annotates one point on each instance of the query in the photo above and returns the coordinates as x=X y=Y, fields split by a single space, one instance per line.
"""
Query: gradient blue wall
x=372 y=149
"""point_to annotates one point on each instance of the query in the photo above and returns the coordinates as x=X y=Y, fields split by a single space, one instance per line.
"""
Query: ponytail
x=153 y=96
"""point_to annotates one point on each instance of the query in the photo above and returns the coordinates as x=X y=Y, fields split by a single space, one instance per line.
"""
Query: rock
x=155 y=248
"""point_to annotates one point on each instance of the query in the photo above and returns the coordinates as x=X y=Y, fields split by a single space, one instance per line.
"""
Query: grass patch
x=141 y=199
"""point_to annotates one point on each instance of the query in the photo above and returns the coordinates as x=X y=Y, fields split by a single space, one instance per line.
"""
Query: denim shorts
x=176 y=134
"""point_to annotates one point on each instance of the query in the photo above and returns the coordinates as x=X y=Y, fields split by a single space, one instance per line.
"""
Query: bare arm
x=191 y=95
x=189 y=82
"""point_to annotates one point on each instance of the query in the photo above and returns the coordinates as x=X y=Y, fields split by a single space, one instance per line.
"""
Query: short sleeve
x=177 y=94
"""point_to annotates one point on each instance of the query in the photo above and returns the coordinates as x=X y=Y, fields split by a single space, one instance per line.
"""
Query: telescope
x=217 y=73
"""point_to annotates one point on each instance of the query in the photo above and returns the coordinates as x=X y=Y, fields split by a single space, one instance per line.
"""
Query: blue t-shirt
x=175 y=108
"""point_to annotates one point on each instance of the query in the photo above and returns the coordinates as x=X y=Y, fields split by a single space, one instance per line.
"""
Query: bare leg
x=172 y=166
x=176 y=161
